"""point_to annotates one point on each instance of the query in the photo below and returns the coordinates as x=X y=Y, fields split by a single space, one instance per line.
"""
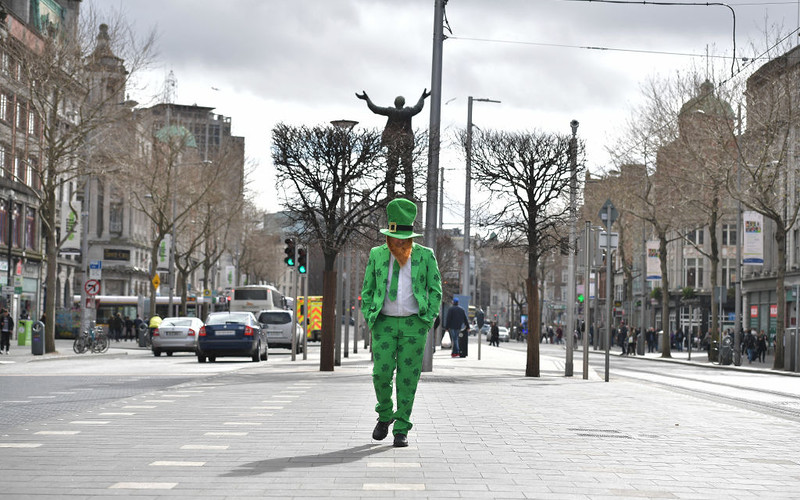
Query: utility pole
x=433 y=151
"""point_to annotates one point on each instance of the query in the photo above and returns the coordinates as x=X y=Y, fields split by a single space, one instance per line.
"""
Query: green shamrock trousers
x=398 y=343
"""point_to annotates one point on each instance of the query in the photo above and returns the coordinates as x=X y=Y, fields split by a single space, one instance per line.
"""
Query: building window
x=32 y=123
x=693 y=276
x=16 y=225
x=30 y=228
x=729 y=234
x=728 y=272
x=19 y=168
x=696 y=237
x=21 y=116
x=31 y=171
x=4 y=222
x=4 y=105
x=115 y=218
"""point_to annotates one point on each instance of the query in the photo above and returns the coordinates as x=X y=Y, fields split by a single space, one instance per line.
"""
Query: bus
x=255 y=298
x=106 y=306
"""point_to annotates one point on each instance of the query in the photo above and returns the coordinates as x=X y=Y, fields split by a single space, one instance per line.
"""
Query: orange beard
x=401 y=249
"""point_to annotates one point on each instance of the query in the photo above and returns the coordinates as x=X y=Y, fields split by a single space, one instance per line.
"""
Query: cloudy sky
x=262 y=62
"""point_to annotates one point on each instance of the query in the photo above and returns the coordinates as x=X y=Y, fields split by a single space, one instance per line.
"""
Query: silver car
x=176 y=335
x=278 y=323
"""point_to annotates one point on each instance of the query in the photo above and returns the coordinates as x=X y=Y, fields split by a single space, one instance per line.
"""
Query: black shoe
x=400 y=441
x=381 y=430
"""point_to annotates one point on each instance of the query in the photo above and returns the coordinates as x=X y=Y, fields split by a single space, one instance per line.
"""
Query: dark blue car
x=231 y=334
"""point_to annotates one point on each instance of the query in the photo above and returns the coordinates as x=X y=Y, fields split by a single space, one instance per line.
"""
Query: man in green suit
x=400 y=300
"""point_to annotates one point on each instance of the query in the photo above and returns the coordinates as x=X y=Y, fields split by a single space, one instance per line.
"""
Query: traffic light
x=301 y=260
x=289 y=252
x=581 y=298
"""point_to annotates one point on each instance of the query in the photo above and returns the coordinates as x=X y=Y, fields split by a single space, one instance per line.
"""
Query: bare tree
x=527 y=176
x=74 y=81
x=322 y=170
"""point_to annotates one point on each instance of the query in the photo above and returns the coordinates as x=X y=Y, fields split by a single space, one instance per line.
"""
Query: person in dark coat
x=495 y=335
x=454 y=321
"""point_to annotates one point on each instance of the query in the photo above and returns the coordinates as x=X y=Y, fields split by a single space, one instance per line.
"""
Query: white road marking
x=20 y=445
x=90 y=422
x=58 y=433
x=394 y=486
x=399 y=465
x=203 y=447
x=225 y=434
x=174 y=463
x=143 y=486
x=133 y=407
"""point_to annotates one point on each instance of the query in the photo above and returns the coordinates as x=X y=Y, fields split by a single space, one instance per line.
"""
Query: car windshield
x=176 y=322
x=223 y=318
x=275 y=318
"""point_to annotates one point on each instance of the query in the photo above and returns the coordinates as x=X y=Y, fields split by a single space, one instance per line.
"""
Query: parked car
x=232 y=334
x=473 y=331
x=176 y=335
x=279 y=323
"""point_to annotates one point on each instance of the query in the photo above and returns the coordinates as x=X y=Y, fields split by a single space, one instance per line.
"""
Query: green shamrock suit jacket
x=425 y=278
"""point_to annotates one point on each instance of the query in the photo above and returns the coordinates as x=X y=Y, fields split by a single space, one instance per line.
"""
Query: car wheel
x=201 y=358
x=264 y=355
x=156 y=353
x=169 y=353
x=256 y=357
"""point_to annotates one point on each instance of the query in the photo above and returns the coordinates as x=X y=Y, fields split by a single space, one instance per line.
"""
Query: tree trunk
x=153 y=273
x=665 y=326
x=715 y=336
x=780 y=294
x=532 y=368
x=327 y=351
x=51 y=249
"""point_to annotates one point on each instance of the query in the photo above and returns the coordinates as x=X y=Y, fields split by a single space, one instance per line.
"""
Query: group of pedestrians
x=755 y=346
x=123 y=328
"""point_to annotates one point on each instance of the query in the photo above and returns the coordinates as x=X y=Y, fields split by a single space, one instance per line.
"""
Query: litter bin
x=24 y=332
x=143 y=333
x=726 y=352
x=463 y=342
x=37 y=338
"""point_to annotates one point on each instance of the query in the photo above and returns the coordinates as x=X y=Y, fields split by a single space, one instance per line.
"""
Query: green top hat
x=400 y=214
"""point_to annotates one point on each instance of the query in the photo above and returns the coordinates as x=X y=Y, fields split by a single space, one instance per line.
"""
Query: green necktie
x=395 y=276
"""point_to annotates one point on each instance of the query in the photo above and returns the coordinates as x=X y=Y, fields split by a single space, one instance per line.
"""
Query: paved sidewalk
x=22 y=353
x=482 y=430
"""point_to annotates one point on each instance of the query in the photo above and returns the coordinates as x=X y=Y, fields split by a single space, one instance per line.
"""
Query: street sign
x=92 y=287
x=95 y=269
x=206 y=292
x=17 y=284
x=604 y=214
x=156 y=281
x=8 y=290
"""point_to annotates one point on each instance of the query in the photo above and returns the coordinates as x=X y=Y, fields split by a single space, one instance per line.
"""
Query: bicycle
x=94 y=340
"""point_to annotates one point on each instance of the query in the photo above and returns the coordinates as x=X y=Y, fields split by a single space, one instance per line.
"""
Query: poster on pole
x=163 y=253
x=753 y=241
x=653 y=261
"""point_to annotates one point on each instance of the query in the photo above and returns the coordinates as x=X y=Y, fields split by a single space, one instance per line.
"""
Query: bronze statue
x=398 y=137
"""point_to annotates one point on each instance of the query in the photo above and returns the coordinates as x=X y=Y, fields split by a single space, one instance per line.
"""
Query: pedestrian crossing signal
x=580 y=298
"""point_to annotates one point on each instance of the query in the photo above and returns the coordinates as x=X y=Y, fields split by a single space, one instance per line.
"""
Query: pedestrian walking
x=494 y=332
x=128 y=322
x=761 y=346
x=116 y=325
x=750 y=346
x=454 y=321
x=6 y=327
x=400 y=299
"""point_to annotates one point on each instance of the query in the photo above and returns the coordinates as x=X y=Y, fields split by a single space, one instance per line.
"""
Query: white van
x=255 y=298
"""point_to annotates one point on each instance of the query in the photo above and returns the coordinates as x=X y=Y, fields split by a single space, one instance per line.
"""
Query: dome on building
x=707 y=102
x=167 y=133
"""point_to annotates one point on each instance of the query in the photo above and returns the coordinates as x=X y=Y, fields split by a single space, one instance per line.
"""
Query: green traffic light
x=301 y=269
x=580 y=298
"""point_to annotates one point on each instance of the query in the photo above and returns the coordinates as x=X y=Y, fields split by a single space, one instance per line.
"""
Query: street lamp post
x=465 y=274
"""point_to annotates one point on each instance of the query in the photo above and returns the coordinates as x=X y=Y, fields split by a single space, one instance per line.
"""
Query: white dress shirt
x=406 y=304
